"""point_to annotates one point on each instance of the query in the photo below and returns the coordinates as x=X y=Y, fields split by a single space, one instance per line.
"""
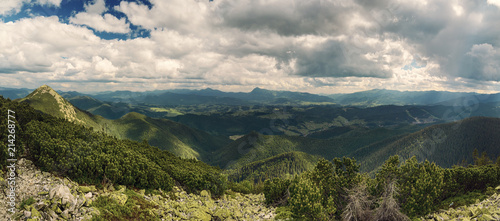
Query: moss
x=35 y=213
x=86 y=189
x=26 y=203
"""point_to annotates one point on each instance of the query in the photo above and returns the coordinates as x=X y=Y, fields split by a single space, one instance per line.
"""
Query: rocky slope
x=43 y=196
x=53 y=197
x=488 y=209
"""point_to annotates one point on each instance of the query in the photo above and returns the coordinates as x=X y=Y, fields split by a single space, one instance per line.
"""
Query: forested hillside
x=445 y=144
x=69 y=149
x=165 y=134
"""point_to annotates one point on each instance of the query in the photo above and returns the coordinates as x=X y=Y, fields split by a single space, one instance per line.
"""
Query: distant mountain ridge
x=210 y=96
x=375 y=97
x=378 y=97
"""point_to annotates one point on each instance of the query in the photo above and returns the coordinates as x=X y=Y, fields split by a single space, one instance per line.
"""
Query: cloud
x=55 y=3
x=97 y=7
x=105 y=23
x=287 y=17
x=482 y=63
x=11 y=6
x=317 y=45
x=180 y=15
x=93 y=18
x=494 y=2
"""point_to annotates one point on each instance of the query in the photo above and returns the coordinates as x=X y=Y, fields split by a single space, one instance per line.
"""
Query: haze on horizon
x=316 y=46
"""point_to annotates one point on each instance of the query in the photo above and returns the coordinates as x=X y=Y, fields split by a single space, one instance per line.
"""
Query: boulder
x=61 y=192
x=119 y=197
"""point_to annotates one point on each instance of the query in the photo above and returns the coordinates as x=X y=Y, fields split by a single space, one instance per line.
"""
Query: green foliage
x=460 y=180
x=86 y=156
x=445 y=144
x=26 y=202
x=483 y=160
x=283 y=213
x=135 y=208
x=276 y=191
x=462 y=200
x=284 y=165
x=306 y=201
x=246 y=187
x=335 y=179
x=421 y=186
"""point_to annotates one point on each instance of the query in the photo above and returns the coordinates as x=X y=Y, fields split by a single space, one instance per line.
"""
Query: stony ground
x=488 y=209
x=183 y=206
x=54 y=198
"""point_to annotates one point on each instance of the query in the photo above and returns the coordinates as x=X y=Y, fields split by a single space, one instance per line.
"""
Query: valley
x=246 y=140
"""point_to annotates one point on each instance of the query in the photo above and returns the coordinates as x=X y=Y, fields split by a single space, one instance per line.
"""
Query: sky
x=316 y=46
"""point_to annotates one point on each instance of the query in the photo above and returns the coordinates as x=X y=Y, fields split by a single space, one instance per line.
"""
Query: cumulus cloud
x=97 y=7
x=11 y=6
x=318 y=45
x=55 y=3
x=180 y=15
x=104 y=23
x=287 y=17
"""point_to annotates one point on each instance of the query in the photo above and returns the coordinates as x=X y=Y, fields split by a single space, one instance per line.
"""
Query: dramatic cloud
x=321 y=46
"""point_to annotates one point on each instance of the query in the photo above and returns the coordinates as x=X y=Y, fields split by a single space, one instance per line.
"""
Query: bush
x=276 y=191
x=421 y=186
x=306 y=201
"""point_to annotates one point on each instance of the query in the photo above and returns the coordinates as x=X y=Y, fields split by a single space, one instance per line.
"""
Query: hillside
x=68 y=149
x=446 y=144
x=165 y=134
x=284 y=165
x=256 y=147
x=169 y=135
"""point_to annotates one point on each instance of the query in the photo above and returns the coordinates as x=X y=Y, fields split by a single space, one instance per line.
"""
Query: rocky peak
x=49 y=101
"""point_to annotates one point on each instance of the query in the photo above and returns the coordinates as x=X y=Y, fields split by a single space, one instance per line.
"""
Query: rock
x=65 y=214
x=43 y=193
x=200 y=215
x=35 y=213
x=121 y=188
x=88 y=202
x=88 y=195
x=80 y=202
x=86 y=189
x=222 y=213
x=142 y=192
x=119 y=197
x=27 y=214
x=61 y=192
x=52 y=215
x=204 y=194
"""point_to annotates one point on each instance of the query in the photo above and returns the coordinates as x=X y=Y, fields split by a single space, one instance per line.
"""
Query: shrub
x=276 y=191
x=306 y=201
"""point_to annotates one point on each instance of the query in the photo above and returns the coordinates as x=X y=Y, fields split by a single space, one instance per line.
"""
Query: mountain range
x=208 y=96
x=286 y=140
